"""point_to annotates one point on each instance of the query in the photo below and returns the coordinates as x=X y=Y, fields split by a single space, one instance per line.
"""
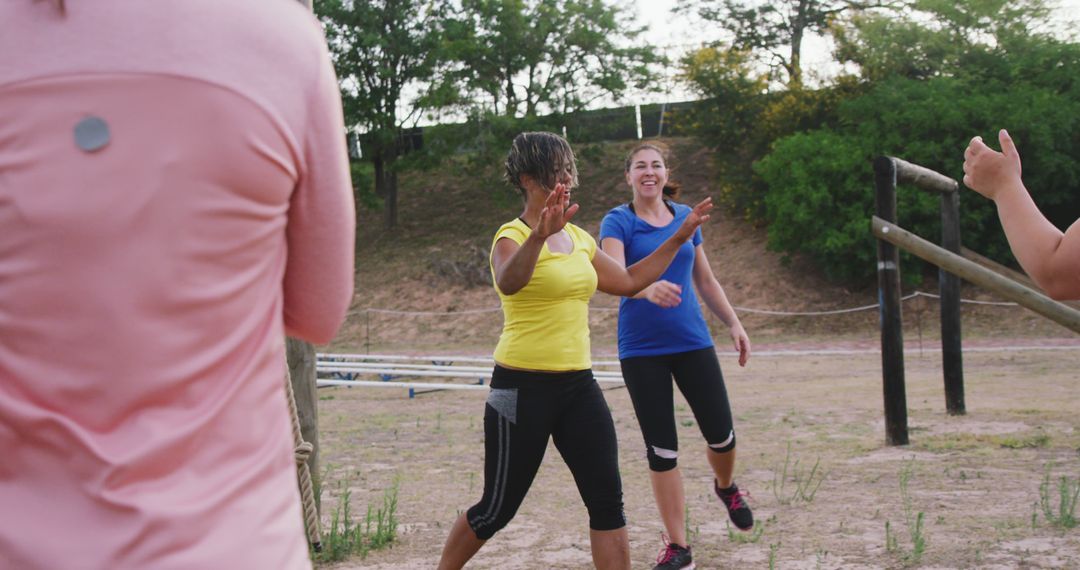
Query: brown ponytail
x=671 y=189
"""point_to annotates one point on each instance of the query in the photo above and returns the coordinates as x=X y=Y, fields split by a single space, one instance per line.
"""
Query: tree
x=740 y=118
x=984 y=39
x=932 y=80
x=775 y=29
x=382 y=51
x=524 y=57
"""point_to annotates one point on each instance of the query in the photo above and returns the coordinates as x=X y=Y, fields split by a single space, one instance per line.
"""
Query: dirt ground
x=974 y=479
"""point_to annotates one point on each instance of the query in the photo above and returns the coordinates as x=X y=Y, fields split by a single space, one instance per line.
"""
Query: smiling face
x=646 y=173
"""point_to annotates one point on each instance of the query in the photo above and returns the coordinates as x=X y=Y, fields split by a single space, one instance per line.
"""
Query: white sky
x=677 y=32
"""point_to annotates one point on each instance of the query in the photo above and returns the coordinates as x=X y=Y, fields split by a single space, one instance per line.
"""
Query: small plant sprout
x=806 y=483
x=1062 y=512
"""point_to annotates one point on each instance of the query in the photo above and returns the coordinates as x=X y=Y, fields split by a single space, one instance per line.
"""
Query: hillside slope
x=435 y=263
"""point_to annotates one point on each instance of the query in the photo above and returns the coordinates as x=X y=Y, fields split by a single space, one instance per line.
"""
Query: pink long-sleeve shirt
x=174 y=198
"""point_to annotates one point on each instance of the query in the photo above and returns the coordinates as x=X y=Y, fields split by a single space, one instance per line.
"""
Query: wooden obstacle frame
x=888 y=171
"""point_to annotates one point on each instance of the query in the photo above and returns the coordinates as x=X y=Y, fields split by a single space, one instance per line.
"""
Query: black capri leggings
x=648 y=379
x=525 y=409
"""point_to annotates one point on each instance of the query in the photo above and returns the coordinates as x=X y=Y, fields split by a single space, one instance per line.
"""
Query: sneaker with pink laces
x=674 y=557
x=735 y=502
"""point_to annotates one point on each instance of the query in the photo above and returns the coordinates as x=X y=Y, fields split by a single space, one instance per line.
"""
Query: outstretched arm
x=716 y=300
x=663 y=293
x=514 y=264
x=1050 y=257
x=616 y=279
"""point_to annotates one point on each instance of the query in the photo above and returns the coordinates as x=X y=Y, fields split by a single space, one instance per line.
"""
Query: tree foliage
x=932 y=84
x=741 y=118
x=774 y=31
x=978 y=39
x=525 y=57
x=382 y=49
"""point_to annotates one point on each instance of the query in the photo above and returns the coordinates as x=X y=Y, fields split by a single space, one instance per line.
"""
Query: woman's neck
x=654 y=207
x=534 y=204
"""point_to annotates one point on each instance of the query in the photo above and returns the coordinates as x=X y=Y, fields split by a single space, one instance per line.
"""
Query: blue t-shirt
x=647 y=329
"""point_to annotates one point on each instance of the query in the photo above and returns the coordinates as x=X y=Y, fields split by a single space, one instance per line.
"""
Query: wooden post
x=948 y=283
x=949 y=288
x=892 y=339
x=301 y=357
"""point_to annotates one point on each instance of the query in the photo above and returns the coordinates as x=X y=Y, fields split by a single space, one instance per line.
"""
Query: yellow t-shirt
x=546 y=323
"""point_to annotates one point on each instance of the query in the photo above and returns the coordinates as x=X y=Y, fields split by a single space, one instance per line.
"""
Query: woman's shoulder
x=515 y=229
x=620 y=216
x=577 y=230
x=680 y=208
x=621 y=211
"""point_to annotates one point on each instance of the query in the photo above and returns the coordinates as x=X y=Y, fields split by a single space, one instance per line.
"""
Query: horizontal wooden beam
x=924 y=178
x=974 y=273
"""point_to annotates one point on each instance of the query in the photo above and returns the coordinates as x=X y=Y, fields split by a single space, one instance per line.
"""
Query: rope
x=430 y=313
x=739 y=309
x=302 y=452
x=969 y=301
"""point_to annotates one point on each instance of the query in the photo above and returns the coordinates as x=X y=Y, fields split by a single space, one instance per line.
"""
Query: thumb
x=1008 y=148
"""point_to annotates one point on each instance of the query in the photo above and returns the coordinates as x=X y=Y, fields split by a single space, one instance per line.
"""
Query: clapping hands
x=698 y=216
x=556 y=213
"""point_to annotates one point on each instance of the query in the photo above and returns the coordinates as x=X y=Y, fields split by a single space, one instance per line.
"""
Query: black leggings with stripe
x=525 y=409
x=697 y=373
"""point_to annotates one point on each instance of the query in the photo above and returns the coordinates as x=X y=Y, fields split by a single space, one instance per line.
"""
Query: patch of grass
x=751 y=536
x=806 y=483
x=347 y=538
x=967 y=442
x=692 y=531
x=1062 y=512
x=914 y=522
x=1035 y=441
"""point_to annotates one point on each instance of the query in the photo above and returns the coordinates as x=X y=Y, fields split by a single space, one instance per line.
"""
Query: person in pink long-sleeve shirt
x=174 y=199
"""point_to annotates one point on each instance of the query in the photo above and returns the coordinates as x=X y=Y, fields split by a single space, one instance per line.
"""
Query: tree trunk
x=386 y=183
x=798 y=29
x=390 y=200
x=380 y=169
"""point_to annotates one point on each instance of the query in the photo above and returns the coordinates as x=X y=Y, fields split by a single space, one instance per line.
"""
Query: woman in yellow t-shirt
x=545 y=271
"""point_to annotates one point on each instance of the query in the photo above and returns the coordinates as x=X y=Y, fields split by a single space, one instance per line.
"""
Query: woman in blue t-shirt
x=662 y=334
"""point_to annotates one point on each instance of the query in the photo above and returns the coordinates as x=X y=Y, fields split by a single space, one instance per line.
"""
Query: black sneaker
x=674 y=557
x=736 y=505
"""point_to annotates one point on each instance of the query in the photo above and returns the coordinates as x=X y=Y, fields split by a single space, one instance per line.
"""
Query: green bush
x=820 y=184
x=819 y=203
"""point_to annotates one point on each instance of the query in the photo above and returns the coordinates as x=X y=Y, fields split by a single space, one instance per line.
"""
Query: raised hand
x=664 y=293
x=556 y=213
x=698 y=216
x=987 y=171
